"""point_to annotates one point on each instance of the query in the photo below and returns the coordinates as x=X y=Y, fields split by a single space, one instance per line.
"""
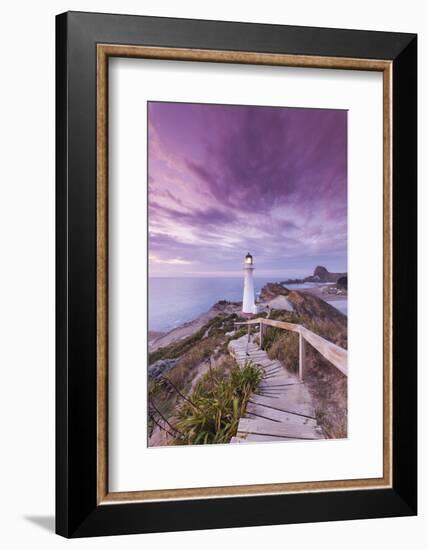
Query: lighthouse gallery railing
x=333 y=353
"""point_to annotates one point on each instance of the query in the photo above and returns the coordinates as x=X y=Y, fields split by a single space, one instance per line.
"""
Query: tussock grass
x=182 y=374
x=217 y=404
x=284 y=346
x=329 y=389
x=333 y=332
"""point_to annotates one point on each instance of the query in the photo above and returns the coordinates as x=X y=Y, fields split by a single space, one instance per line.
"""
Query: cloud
x=170 y=261
x=227 y=179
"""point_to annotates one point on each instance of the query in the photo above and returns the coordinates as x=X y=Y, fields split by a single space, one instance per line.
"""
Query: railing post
x=302 y=352
x=261 y=336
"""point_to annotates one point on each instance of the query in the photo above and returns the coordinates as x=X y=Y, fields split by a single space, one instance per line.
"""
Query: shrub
x=217 y=404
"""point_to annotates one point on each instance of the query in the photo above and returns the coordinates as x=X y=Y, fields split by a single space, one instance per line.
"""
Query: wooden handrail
x=333 y=353
x=271 y=322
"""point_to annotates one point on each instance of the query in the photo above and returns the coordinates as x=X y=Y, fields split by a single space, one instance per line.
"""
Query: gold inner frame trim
x=104 y=51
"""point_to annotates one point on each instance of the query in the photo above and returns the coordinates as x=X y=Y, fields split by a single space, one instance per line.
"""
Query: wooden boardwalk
x=281 y=407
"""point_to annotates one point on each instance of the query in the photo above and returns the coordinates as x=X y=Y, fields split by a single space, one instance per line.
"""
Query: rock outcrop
x=161 y=367
x=321 y=275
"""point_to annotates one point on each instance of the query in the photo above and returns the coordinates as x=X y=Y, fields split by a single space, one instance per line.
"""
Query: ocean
x=177 y=300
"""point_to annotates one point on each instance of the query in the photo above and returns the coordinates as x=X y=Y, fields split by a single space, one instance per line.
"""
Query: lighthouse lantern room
x=248 y=301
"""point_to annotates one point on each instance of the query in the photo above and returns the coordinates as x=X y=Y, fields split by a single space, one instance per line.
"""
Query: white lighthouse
x=248 y=301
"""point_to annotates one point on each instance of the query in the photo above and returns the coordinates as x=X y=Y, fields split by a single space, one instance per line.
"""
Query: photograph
x=247 y=274
x=213 y=264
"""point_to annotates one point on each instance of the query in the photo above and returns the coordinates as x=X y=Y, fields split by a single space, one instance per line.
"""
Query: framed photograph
x=236 y=274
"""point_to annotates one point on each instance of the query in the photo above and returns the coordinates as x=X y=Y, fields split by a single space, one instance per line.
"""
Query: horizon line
x=231 y=276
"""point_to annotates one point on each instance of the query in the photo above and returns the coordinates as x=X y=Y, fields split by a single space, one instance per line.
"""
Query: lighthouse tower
x=248 y=302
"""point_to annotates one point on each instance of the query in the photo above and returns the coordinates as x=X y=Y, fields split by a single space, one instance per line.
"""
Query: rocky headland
x=320 y=275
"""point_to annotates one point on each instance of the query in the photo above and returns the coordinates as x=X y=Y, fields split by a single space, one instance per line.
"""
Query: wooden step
x=277 y=415
x=273 y=388
x=278 y=372
x=273 y=370
x=278 y=429
x=237 y=440
x=253 y=438
x=279 y=382
x=266 y=393
x=269 y=364
x=246 y=358
x=245 y=351
x=274 y=413
x=269 y=368
x=283 y=404
x=263 y=391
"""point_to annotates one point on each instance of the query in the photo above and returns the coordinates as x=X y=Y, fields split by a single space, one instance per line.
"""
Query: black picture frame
x=77 y=511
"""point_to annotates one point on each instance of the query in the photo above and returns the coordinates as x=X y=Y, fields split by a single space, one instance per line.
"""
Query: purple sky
x=225 y=180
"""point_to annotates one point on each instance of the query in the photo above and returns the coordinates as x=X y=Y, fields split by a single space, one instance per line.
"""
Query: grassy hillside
x=203 y=352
